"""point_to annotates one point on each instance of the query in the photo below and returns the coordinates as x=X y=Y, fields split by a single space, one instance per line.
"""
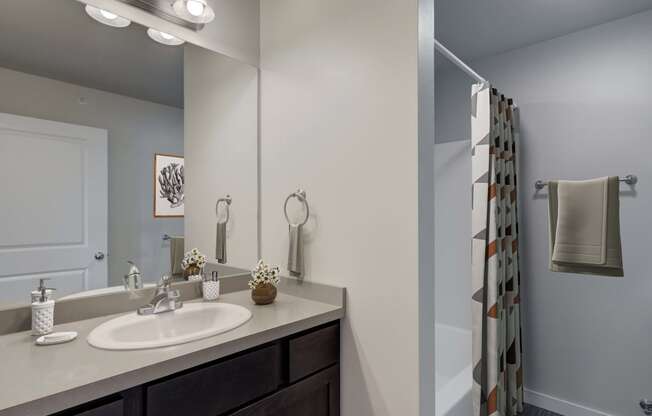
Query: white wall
x=136 y=130
x=452 y=241
x=221 y=140
x=234 y=32
x=339 y=116
x=585 y=112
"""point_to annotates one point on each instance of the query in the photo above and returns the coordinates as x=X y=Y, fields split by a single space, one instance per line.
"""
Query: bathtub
x=453 y=372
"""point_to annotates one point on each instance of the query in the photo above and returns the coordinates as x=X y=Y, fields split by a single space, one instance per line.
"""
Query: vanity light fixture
x=106 y=17
x=195 y=11
x=164 y=38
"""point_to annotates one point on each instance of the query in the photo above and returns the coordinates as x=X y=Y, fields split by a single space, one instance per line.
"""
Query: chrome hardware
x=165 y=299
x=646 y=405
x=629 y=180
x=300 y=194
x=133 y=279
x=42 y=293
x=163 y=9
x=227 y=200
x=99 y=256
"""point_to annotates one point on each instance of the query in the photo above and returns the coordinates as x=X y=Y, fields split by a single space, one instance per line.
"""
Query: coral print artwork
x=168 y=186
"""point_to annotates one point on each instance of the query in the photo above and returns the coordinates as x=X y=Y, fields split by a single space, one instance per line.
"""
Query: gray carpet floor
x=535 y=411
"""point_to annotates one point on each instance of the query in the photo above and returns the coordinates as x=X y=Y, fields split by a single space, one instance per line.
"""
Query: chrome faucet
x=133 y=280
x=165 y=299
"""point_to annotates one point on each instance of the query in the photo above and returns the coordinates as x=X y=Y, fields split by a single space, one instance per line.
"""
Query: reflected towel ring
x=300 y=194
x=227 y=201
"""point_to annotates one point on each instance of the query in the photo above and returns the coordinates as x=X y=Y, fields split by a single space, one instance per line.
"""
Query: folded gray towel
x=176 y=255
x=295 y=255
x=220 y=242
x=584 y=221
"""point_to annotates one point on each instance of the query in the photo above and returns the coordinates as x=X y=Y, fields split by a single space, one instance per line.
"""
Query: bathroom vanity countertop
x=38 y=380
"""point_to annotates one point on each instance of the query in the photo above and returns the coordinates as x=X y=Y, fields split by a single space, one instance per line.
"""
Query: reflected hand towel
x=176 y=255
x=220 y=242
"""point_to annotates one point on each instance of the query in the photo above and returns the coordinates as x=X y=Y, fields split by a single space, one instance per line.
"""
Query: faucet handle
x=166 y=282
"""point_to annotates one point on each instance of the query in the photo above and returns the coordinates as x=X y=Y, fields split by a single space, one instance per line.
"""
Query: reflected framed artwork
x=168 y=186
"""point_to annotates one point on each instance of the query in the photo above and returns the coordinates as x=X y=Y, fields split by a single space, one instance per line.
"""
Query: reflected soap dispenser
x=42 y=310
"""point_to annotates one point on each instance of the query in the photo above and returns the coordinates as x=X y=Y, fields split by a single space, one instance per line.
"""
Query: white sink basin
x=192 y=322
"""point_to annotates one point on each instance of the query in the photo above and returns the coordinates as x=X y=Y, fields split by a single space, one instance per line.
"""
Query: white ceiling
x=56 y=39
x=478 y=28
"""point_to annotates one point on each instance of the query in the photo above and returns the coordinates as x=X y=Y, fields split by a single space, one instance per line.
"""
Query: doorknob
x=99 y=256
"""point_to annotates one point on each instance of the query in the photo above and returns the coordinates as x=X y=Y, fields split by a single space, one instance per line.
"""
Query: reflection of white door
x=53 y=206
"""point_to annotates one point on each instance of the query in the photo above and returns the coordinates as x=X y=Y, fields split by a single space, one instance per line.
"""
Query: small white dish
x=56 y=338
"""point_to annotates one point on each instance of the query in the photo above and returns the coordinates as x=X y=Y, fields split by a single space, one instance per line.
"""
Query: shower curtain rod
x=457 y=61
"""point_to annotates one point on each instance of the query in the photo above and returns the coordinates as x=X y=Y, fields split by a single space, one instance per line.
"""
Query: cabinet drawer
x=313 y=351
x=317 y=395
x=114 y=408
x=221 y=387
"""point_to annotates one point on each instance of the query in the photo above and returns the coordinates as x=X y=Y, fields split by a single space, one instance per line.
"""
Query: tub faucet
x=165 y=299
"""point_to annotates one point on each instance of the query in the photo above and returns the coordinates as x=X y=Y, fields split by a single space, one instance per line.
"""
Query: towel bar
x=629 y=180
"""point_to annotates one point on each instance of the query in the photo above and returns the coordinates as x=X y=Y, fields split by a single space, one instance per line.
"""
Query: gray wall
x=585 y=108
x=136 y=130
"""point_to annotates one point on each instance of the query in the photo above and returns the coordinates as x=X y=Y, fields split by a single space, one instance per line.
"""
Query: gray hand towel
x=220 y=242
x=176 y=255
x=295 y=255
x=584 y=220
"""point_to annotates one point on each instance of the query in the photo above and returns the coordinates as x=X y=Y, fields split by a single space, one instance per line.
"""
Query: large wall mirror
x=116 y=149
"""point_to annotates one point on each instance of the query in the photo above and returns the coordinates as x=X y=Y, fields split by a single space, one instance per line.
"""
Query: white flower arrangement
x=264 y=274
x=193 y=258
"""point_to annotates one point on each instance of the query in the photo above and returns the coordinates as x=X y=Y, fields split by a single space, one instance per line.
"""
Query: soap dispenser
x=42 y=310
x=36 y=294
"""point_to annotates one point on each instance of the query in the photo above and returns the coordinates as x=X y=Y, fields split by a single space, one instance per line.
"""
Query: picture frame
x=169 y=178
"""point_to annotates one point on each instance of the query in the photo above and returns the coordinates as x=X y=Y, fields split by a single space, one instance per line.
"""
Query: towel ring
x=300 y=194
x=227 y=200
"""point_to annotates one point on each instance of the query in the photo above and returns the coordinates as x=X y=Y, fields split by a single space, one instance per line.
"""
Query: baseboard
x=563 y=407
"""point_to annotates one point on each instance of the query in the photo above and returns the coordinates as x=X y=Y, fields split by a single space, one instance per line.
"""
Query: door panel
x=55 y=217
x=47 y=207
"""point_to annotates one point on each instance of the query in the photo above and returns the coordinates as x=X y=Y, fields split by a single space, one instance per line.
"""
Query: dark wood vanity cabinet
x=294 y=376
x=317 y=395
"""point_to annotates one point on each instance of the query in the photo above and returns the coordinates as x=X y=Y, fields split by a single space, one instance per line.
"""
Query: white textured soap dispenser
x=42 y=311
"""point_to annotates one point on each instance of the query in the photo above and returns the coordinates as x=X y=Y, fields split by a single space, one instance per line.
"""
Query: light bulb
x=163 y=37
x=195 y=7
x=195 y=11
x=108 y=15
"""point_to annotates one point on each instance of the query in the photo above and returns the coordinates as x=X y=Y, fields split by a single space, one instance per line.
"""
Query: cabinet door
x=318 y=395
x=311 y=352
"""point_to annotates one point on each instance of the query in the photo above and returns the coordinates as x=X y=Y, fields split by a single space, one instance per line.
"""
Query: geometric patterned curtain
x=497 y=351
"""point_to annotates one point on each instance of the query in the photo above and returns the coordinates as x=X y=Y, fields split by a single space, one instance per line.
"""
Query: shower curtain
x=497 y=370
